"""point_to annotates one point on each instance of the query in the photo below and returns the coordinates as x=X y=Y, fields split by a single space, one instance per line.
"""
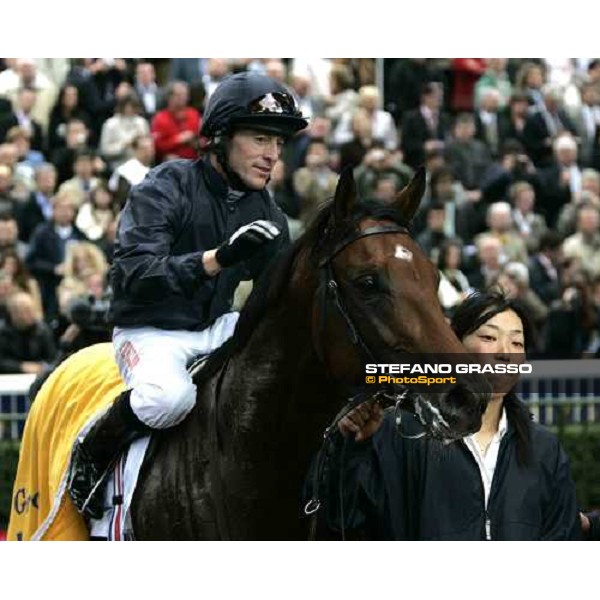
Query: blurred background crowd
x=511 y=148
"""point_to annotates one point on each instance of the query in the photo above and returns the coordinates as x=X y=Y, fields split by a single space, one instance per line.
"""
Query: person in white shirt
x=382 y=123
x=510 y=480
x=134 y=170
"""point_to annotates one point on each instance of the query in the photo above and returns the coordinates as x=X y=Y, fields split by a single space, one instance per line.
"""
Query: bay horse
x=355 y=286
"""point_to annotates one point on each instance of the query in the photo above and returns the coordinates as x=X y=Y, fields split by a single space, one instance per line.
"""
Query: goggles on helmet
x=274 y=103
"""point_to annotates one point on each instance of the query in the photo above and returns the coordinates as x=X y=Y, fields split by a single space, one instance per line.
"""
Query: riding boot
x=95 y=454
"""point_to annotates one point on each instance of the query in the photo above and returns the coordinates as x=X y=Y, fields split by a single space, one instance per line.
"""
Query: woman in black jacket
x=67 y=107
x=511 y=480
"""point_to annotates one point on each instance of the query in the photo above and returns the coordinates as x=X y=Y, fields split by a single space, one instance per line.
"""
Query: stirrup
x=95 y=455
x=93 y=506
x=85 y=483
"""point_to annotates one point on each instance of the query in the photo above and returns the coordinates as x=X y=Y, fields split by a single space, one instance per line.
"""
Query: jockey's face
x=253 y=154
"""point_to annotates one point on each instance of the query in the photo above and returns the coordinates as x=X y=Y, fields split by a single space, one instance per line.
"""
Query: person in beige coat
x=80 y=187
x=119 y=132
x=529 y=225
x=500 y=224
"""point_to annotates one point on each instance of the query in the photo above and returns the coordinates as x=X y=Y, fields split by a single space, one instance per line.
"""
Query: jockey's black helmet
x=255 y=101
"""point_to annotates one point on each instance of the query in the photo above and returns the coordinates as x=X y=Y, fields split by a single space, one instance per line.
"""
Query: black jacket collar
x=216 y=183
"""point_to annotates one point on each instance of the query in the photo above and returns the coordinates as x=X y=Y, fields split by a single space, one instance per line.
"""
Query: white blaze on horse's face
x=403 y=253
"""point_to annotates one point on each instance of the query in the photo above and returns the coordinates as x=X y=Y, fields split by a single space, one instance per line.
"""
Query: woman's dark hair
x=130 y=99
x=103 y=187
x=444 y=249
x=60 y=98
x=517 y=97
x=480 y=307
x=551 y=240
x=438 y=175
x=22 y=276
x=471 y=314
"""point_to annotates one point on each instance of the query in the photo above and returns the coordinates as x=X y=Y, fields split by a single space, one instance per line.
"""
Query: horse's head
x=377 y=301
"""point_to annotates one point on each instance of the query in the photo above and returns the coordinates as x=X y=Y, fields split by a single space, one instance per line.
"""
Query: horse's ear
x=408 y=200
x=345 y=195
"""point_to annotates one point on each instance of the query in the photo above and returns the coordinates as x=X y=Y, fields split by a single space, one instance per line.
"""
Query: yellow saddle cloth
x=74 y=396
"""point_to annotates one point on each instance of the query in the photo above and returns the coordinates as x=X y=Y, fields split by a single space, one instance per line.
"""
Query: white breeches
x=153 y=363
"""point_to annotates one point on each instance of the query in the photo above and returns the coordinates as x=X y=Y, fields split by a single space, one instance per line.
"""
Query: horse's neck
x=273 y=400
x=274 y=405
x=276 y=367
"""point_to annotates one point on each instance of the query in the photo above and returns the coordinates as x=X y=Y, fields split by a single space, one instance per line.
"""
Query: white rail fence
x=14 y=404
x=566 y=391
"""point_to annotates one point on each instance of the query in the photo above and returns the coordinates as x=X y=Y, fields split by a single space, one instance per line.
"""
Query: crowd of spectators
x=511 y=148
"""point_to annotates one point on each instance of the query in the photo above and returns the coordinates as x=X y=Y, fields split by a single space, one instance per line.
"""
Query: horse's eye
x=367 y=283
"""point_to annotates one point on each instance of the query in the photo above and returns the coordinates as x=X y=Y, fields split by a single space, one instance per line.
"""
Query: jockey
x=188 y=235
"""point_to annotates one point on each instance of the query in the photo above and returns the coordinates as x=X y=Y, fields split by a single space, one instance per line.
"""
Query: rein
x=329 y=293
x=312 y=506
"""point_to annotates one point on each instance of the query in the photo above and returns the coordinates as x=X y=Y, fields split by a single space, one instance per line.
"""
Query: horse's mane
x=272 y=282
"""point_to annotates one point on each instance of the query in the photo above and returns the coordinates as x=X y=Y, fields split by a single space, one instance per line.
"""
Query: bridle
x=329 y=294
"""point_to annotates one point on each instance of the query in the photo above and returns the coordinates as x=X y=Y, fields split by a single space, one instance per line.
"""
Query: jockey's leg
x=94 y=455
x=153 y=364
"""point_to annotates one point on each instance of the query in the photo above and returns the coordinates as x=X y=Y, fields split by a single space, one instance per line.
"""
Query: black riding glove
x=246 y=241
